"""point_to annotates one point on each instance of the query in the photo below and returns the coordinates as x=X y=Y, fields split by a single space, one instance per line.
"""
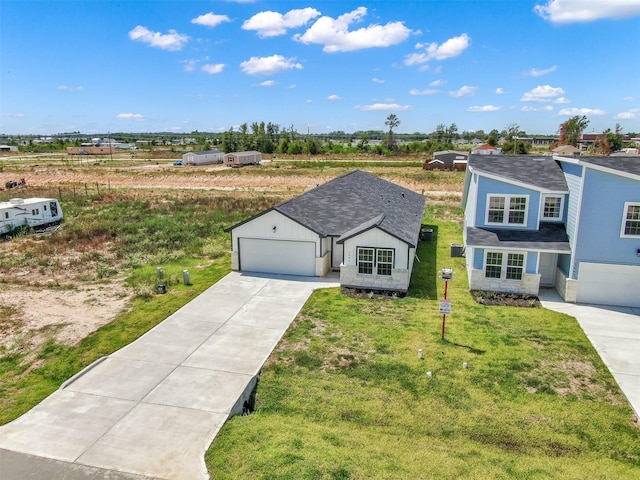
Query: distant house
x=566 y=150
x=486 y=149
x=569 y=223
x=447 y=160
x=363 y=226
x=8 y=148
x=206 y=157
x=239 y=159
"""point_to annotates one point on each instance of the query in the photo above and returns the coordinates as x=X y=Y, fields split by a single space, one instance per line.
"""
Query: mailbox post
x=446 y=274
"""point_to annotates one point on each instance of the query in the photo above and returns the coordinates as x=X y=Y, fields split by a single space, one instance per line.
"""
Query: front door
x=547 y=268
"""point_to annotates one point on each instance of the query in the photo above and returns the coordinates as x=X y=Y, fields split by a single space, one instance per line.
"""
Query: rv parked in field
x=28 y=212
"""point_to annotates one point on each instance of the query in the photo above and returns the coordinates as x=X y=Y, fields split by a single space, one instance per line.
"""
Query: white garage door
x=277 y=256
x=609 y=284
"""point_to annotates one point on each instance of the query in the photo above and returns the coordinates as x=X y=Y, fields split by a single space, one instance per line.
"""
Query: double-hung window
x=365 y=261
x=552 y=208
x=504 y=266
x=375 y=261
x=507 y=209
x=631 y=220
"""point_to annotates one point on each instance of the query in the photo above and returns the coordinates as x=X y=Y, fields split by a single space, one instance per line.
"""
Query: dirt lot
x=67 y=304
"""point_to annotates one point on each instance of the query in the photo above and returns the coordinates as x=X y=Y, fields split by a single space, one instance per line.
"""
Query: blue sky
x=319 y=66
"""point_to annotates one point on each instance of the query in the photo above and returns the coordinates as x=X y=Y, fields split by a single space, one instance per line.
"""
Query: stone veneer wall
x=529 y=285
x=566 y=287
x=398 y=281
x=323 y=264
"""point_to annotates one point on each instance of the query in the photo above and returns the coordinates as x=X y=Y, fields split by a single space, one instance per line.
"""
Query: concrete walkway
x=151 y=409
x=615 y=334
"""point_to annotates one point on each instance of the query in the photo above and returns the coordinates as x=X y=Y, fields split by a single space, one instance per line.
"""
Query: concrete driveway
x=615 y=334
x=151 y=409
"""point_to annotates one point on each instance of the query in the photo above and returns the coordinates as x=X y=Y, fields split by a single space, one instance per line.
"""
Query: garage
x=609 y=284
x=277 y=256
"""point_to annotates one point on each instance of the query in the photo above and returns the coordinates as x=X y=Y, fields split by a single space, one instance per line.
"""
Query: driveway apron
x=153 y=408
x=615 y=334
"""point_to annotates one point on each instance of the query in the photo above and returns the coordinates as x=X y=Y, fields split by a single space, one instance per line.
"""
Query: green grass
x=345 y=396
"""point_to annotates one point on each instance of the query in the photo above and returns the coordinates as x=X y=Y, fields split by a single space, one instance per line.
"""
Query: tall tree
x=571 y=130
x=392 y=122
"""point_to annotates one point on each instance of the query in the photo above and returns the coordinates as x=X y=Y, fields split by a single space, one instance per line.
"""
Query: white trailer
x=238 y=159
x=208 y=157
x=28 y=212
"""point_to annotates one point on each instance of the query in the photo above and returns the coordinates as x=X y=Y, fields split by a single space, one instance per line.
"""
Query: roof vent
x=16 y=201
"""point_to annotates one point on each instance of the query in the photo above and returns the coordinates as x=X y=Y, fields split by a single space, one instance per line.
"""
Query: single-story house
x=566 y=150
x=447 y=160
x=363 y=226
x=206 y=157
x=486 y=149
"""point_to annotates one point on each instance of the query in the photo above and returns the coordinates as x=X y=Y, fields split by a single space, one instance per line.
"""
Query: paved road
x=151 y=409
x=615 y=334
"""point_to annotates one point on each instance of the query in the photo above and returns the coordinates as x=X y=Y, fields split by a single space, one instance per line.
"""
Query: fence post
x=98 y=188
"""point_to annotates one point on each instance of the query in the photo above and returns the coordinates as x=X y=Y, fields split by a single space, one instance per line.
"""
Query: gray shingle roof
x=355 y=202
x=550 y=236
x=540 y=172
x=622 y=164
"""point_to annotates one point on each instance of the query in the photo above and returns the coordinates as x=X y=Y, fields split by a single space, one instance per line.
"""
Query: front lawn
x=345 y=396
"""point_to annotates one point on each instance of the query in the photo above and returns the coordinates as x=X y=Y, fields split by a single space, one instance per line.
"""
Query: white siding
x=378 y=239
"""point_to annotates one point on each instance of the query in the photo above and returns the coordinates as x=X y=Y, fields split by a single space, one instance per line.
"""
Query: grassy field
x=344 y=395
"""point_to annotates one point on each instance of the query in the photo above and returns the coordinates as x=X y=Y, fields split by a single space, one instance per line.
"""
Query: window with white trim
x=384 y=259
x=507 y=209
x=504 y=266
x=552 y=209
x=631 y=220
x=375 y=261
x=365 y=261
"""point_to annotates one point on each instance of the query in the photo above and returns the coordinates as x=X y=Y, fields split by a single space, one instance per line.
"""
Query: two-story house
x=515 y=207
x=570 y=223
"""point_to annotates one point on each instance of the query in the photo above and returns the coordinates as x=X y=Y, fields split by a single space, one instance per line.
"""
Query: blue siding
x=478 y=258
x=489 y=186
x=564 y=262
x=532 y=262
x=602 y=211
x=573 y=176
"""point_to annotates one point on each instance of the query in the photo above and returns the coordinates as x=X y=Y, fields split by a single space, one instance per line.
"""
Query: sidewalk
x=154 y=407
x=615 y=334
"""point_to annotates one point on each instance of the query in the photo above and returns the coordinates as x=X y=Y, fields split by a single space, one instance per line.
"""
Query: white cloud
x=628 y=115
x=464 y=91
x=437 y=83
x=534 y=72
x=571 y=112
x=213 y=68
x=267 y=83
x=334 y=33
x=484 y=108
x=268 y=65
x=377 y=80
x=500 y=91
x=210 y=19
x=628 y=99
x=451 y=48
x=130 y=116
x=334 y=97
x=571 y=11
x=542 y=93
x=273 y=24
x=170 y=41
x=528 y=108
x=69 y=89
x=11 y=115
x=393 y=107
x=427 y=91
